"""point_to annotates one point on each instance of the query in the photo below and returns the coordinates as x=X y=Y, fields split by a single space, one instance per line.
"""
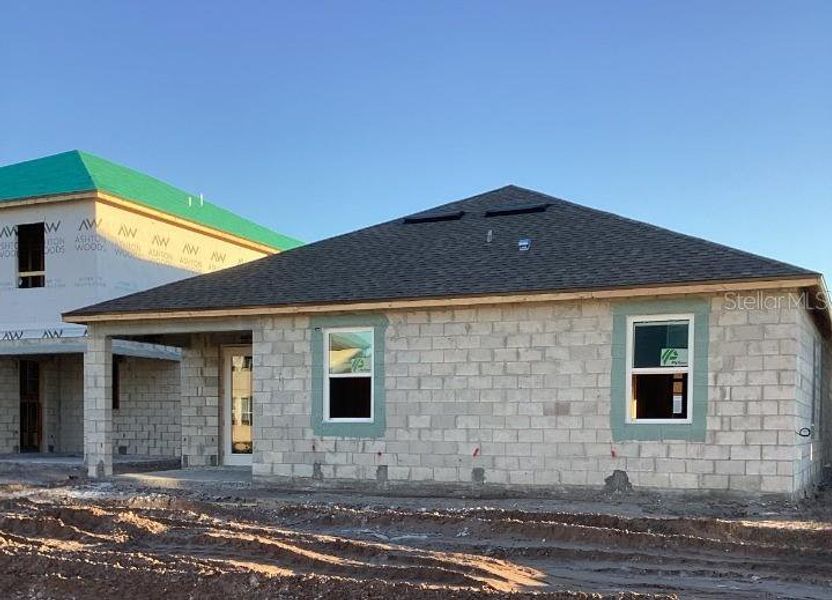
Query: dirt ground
x=78 y=539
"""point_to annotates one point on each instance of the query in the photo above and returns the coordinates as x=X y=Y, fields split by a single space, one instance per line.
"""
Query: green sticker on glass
x=674 y=357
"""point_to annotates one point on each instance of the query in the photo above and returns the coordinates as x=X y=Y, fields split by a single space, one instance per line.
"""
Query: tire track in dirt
x=736 y=552
x=110 y=545
x=193 y=538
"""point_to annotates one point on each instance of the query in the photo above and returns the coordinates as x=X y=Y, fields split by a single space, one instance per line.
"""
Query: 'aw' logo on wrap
x=192 y=250
x=218 y=257
x=158 y=240
x=52 y=227
x=130 y=232
x=8 y=231
x=89 y=225
x=52 y=334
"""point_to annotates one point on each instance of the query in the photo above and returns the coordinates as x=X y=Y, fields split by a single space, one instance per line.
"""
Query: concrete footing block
x=381 y=474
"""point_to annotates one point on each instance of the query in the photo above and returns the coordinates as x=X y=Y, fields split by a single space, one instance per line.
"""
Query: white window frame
x=630 y=357
x=328 y=375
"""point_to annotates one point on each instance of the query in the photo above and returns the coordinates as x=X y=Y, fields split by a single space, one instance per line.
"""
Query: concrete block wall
x=71 y=411
x=200 y=389
x=148 y=421
x=753 y=384
x=523 y=393
x=811 y=451
x=50 y=397
x=281 y=387
x=9 y=405
x=98 y=420
x=826 y=415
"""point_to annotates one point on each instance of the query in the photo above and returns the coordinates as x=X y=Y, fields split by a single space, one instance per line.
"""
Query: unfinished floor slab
x=187 y=478
x=59 y=467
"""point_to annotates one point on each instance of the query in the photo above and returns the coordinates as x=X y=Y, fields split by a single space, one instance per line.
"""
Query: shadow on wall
x=134 y=253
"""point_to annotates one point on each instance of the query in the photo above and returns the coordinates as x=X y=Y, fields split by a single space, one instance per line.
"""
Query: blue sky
x=713 y=118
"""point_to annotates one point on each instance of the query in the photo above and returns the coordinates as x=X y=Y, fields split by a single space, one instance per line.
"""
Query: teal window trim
x=622 y=430
x=362 y=429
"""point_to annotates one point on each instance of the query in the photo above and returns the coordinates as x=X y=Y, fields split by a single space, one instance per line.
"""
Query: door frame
x=41 y=417
x=228 y=457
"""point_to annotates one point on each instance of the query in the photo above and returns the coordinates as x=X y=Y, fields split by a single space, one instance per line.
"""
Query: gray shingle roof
x=573 y=247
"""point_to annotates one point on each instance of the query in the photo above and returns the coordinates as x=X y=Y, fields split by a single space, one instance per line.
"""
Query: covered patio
x=216 y=393
x=42 y=399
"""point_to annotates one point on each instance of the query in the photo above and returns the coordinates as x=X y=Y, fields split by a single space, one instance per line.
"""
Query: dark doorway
x=30 y=412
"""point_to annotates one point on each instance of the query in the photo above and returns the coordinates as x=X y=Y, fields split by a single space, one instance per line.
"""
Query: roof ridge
x=80 y=157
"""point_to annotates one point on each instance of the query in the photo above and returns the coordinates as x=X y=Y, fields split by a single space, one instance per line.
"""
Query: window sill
x=690 y=431
x=660 y=422
x=349 y=429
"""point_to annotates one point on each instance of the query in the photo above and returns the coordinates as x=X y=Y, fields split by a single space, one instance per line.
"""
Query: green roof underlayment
x=76 y=171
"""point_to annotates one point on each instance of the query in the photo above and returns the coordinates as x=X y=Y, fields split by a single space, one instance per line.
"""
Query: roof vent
x=434 y=217
x=517 y=209
x=524 y=244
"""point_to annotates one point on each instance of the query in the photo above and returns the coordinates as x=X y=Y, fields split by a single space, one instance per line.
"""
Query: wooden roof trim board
x=439 y=302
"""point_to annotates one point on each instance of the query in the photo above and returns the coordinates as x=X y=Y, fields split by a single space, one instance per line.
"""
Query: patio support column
x=200 y=371
x=98 y=405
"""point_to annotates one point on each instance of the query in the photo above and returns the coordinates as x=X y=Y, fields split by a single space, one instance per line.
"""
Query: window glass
x=350 y=374
x=660 y=344
x=350 y=352
x=660 y=396
x=349 y=397
x=241 y=405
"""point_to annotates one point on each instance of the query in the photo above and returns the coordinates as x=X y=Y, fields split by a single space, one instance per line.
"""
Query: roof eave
x=788 y=282
x=86 y=194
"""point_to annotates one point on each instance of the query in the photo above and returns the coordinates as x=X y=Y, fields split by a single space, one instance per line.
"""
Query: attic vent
x=517 y=209
x=433 y=217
